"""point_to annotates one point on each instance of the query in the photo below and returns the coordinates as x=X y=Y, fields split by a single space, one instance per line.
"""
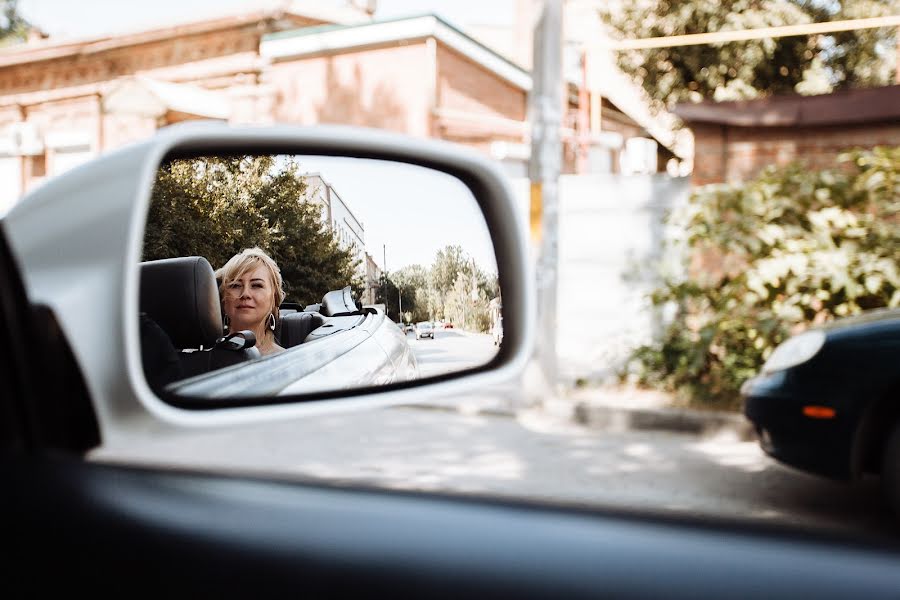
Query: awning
x=153 y=98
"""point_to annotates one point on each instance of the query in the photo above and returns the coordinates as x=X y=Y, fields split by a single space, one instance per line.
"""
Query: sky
x=408 y=212
x=85 y=18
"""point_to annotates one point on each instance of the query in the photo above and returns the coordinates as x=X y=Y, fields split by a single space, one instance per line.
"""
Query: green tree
x=13 y=27
x=467 y=304
x=460 y=290
x=387 y=294
x=215 y=207
x=448 y=264
x=737 y=70
x=772 y=257
x=413 y=283
x=453 y=288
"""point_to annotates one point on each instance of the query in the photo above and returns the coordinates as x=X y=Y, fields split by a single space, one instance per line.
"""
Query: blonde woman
x=251 y=292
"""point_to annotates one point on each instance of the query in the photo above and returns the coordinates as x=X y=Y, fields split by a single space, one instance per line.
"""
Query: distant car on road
x=448 y=325
x=828 y=400
x=424 y=329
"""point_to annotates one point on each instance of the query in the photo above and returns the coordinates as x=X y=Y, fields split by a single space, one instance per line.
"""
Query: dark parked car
x=828 y=400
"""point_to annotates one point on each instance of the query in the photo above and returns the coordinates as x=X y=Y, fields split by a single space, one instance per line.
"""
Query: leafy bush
x=770 y=258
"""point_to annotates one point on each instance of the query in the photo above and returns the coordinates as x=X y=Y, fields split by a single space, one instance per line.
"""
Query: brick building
x=733 y=141
x=64 y=102
x=373 y=280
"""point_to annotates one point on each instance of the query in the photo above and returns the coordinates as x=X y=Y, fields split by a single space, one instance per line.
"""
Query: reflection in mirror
x=347 y=273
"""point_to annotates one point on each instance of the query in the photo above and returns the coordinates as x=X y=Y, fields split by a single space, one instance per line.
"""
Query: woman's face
x=249 y=299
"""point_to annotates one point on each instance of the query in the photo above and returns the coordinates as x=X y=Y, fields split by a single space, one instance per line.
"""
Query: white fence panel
x=612 y=239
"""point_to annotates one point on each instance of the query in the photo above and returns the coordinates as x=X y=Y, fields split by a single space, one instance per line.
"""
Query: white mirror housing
x=78 y=237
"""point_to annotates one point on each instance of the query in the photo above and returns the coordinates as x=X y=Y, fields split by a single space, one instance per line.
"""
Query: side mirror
x=339 y=361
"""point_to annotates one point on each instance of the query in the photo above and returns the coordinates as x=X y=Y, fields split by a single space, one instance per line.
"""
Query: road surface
x=451 y=350
x=533 y=456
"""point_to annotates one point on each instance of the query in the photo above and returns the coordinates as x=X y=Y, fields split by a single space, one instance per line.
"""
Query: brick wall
x=381 y=87
x=401 y=88
x=733 y=154
x=475 y=106
x=463 y=85
x=203 y=50
x=61 y=93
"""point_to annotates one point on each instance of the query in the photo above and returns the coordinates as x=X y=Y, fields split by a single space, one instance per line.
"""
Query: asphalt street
x=451 y=350
x=533 y=456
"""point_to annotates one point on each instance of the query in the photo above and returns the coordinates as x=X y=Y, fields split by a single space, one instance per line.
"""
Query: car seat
x=181 y=296
x=294 y=326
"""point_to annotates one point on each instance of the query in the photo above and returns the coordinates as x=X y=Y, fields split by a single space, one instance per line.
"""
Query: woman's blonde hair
x=245 y=261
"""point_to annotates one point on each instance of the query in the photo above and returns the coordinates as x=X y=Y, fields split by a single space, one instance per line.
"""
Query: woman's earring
x=227 y=323
x=272 y=321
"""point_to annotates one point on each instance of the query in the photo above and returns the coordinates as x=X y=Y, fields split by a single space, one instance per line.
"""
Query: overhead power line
x=757 y=34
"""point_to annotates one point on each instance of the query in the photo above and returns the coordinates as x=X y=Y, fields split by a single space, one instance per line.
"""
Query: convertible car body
x=332 y=345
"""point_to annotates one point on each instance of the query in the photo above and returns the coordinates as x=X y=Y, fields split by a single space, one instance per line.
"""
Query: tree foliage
x=738 y=70
x=13 y=27
x=453 y=289
x=770 y=258
x=215 y=207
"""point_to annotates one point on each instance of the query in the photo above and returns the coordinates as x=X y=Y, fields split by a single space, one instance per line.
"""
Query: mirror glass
x=338 y=273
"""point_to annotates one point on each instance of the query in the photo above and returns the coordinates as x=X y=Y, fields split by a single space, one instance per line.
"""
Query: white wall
x=11 y=176
x=611 y=239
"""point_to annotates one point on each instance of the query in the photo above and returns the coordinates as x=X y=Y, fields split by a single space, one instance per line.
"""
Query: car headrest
x=181 y=295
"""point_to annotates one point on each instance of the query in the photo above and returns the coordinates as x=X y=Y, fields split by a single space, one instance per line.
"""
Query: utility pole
x=545 y=106
x=385 y=271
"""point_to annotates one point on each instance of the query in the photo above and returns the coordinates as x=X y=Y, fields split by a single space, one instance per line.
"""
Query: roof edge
x=332 y=38
x=859 y=105
x=51 y=49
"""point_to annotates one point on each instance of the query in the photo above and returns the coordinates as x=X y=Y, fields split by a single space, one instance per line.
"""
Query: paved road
x=451 y=350
x=532 y=456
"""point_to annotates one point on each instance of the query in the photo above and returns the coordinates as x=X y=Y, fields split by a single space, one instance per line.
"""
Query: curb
x=676 y=420
x=488 y=411
x=603 y=417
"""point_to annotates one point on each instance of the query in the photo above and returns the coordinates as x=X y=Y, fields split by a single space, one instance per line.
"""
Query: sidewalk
x=610 y=409
x=623 y=408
